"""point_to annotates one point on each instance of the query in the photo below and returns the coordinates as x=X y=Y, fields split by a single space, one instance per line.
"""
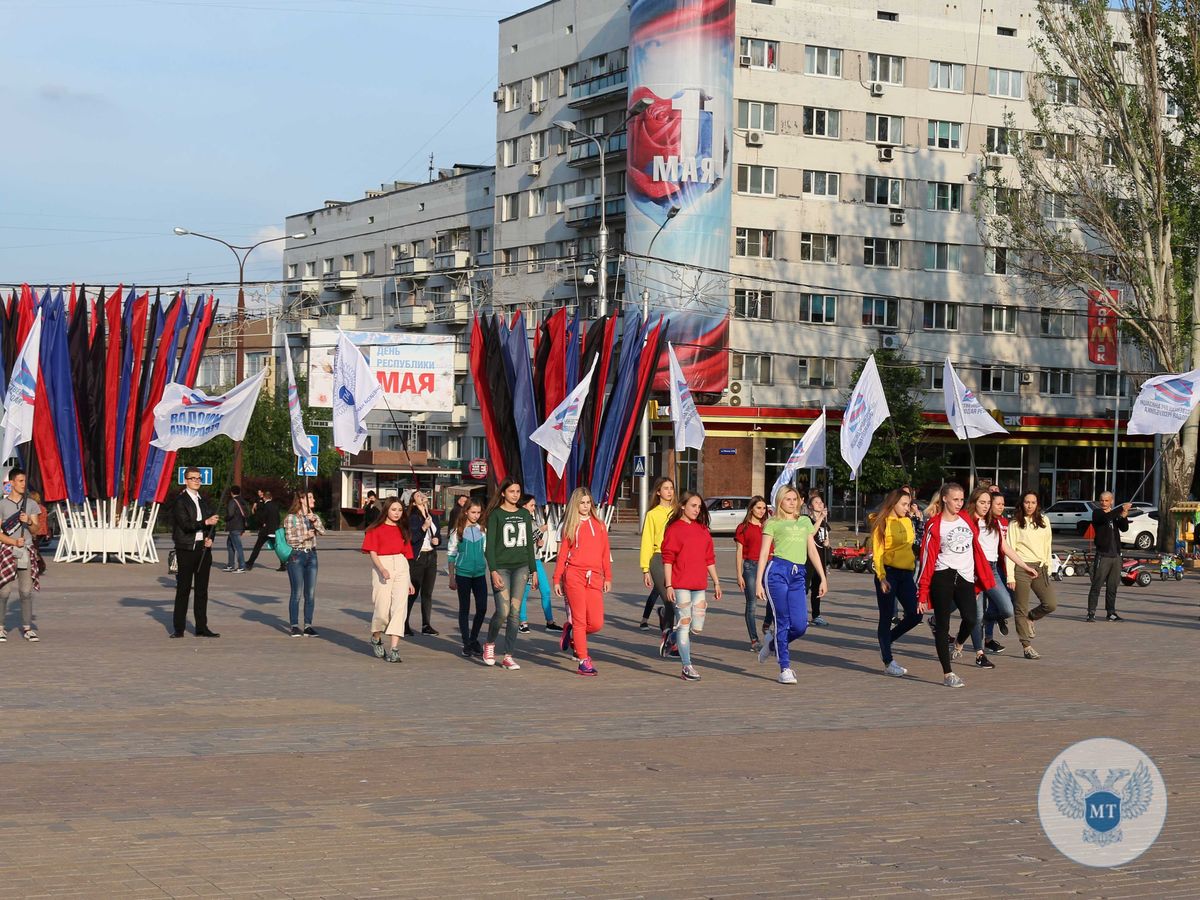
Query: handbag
x=282 y=548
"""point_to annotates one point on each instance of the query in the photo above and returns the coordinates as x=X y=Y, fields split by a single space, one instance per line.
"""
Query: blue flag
x=525 y=414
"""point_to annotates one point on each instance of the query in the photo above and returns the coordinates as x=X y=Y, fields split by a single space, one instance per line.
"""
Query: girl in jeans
x=895 y=568
x=529 y=504
x=953 y=568
x=302 y=525
x=468 y=574
x=748 y=538
x=386 y=540
x=508 y=550
x=1031 y=538
x=584 y=573
x=689 y=560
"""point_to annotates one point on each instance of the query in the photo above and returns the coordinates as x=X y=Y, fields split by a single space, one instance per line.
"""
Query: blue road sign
x=205 y=475
x=309 y=467
x=639 y=467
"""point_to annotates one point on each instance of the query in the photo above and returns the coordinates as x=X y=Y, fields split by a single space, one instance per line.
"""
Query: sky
x=126 y=118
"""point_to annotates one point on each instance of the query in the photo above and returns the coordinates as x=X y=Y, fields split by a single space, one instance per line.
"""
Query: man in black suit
x=268 y=524
x=191 y=520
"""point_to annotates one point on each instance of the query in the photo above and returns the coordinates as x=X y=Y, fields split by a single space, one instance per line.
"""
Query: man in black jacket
x=191 y=521
x=268 y=524
x=1107 y=523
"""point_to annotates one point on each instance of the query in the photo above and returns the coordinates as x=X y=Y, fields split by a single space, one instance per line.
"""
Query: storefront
x=389 y=473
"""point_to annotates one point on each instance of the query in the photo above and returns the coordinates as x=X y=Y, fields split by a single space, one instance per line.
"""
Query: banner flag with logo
x=1164 y=404
x=689 y=430
x=1102 y=328
x=964 y=412
x=809 y=452
x=22 y=393
x=865 y=412
x=356 y=392
x=188 y=417
x=300 y=444
x=557 y=434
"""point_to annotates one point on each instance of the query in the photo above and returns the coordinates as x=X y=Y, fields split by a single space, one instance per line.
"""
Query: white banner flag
x=22 y=388
x=809 y=452
x=557 y=434
x=864 y=413
x=964 y=412
x=1164 y=404
x=187 y=417
x=300 y=445
x=689 y=430
x=356 y=392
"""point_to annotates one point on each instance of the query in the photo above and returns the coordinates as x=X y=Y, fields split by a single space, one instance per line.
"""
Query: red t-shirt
x=387 y=540
x=749 y=535
x=688 y=547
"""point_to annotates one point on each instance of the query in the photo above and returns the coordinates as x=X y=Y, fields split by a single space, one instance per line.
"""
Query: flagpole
x=403 y=442
x=1117 y=417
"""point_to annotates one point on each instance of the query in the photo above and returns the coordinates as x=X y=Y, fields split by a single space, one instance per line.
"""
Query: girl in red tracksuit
x=584 y=573
x=953 y=568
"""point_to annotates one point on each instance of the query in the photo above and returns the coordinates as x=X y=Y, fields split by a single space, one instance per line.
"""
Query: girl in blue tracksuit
x=529 y=504
x=781 y=583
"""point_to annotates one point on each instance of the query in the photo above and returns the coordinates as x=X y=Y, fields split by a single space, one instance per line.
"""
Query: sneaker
x=430 y=630
x=1003 y=626
x=238 y=571
x=228 y=569
x=523 y=628
x=564 y=640
x=309 y=631
x=953 y=680
x=982 y=662
x=1091 y=617
x=993 y=647
x=820 y=620
x=787 y=676
x=1113 y=617
x=755 y=645
x=673 y=652
x=377 y=648
x=509 y=663
x=586 y=667
x=393 y=655
x=553 y=626
x=30 y=635
x=1030 y=653
x=664 y=645
x=477 y=649
x=296 y=632
x=768 y=645
x=466 y=651
x=956 y=651
x=894 y=668
x=3 y=635
x=645 y=623
x=489 y=654
x=689 y=673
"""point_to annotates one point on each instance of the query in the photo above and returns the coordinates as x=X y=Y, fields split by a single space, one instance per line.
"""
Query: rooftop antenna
x=431 y=167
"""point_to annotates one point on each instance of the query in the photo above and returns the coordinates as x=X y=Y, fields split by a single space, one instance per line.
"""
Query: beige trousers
x=390 y=598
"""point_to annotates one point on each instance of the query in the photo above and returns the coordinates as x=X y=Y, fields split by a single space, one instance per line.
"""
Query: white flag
x=356 y=392
x=689 y=430
x=557 y=434
x=809 y=452
x=300 y=444
x=964 y=412
x=1164 y=403
x=22 y=387
x=864 y=413
x=187 y=417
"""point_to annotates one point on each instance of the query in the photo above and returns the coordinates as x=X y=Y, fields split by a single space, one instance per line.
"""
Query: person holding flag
x=192 y=519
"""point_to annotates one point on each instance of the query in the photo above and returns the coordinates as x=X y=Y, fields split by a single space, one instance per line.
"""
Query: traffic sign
x=308 y=467
x=205 y=475
x=639 y=467
x=477 y=469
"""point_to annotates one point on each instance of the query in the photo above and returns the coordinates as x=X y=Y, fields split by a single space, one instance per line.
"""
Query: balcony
x=598 y=88
x=303 y=286
x=452 y=313
x=344 y=280
x=588 y=214
x=584 y=152
x=412 y=316
x=451 y=259
x=409 y=266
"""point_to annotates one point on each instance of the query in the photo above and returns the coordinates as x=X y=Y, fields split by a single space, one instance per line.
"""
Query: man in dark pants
x=268 y=524
x=1107 y=523
x=191 y=520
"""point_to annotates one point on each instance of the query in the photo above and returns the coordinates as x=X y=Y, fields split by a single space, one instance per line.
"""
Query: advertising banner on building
x=415 y=371
x=1102 y=328
x=681 y=56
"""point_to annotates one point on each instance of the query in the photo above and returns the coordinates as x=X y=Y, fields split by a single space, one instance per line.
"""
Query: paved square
x=258 y=765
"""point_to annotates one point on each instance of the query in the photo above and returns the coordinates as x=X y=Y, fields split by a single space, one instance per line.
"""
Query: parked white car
x=725 y=514
x=1143 y=530
x=1070 y=515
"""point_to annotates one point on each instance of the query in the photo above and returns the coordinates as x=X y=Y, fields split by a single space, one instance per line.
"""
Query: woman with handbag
x=20 y=518
x=386 y=540
x=301 y=527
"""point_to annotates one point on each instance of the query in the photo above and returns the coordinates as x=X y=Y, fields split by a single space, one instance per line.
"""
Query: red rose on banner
x=652 y=132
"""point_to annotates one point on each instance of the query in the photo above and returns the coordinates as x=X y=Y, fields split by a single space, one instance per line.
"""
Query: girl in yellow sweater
x=892 y=550
x=1030 y=536
x=651 y=562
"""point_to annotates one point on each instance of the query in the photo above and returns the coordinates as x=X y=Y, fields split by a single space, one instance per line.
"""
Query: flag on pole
x=689 y=430
x=356 y=392
x=964 y=412
x=188 y=417
x=300 y=444
x=809 y=452
x=557 y=434
x=1164 y=404
x=865 y=412
x=21 y=396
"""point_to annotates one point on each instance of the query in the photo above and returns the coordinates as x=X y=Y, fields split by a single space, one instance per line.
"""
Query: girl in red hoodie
x=688 y=562
x=953 y=568
x=584 y=573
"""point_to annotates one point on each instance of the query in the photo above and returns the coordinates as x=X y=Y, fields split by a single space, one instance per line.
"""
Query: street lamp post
x=241 y=252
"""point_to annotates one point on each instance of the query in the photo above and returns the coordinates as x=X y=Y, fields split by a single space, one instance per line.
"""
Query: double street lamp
x=241 y=252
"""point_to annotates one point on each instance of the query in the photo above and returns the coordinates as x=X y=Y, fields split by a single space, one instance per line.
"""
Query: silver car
x=725 y=514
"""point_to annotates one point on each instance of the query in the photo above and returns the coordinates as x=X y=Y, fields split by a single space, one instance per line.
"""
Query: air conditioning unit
x=992 y=161
x=876 y=89
x=1026 y=378
x=1037 y=141
x=737 y=387
x=886 y=154
x=738 y=393
x=898 y=217
x=745 y=61
x=535 y=169
x=754 y=138
x=536 y=106
x=497 y=95
x=890 y=342
x=736 y=400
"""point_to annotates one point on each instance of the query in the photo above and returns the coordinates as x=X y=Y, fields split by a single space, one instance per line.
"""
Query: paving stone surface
x=259 y=765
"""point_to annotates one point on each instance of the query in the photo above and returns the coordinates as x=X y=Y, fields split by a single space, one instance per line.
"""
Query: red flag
x=188 y=377
x=479 y=377
x=646 y=366
x=25 y=313
x=112 y=387
x=598 y=382
x=158 y=381
x=137 y=337
x=45 y=442
x=1102 y=328
x=554 y=391
x=71 y=304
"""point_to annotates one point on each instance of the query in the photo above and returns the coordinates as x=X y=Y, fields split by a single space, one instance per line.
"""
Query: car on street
x=1143 y=530
x=725 y=514
x=1067 y=515
x=1141 y=506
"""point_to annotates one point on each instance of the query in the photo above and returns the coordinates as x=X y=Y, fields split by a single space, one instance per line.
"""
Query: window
x=934 y=377
x=540 y=88
x=310 y=268
x=885 y=69
x=818 y=309
x=941 y=257
x=820 y=184
x=1056 y=382
x=1054 y=206
x=483 y=239
x=1060 y=146
x=535 y=258
x=512 y=96
x=996 y=260
x=1108 y=153
x=1109 y=385
x=1057 y=323
x=327 y=265
x=946 y=76
x=756 y=115
x=880 y=312
x=537 y=202
x=763 y=54
x=348 y=262
x=1000 y=320
x=293 y=270
x=944 y=135
x=885 y=129
x=755 y=242
x=1172 y=108
x=750 y=367
x=1005 y=31
x=368 y=307
x=753 y=304
x=821 y=248
x=1006 y=83
x=1000 y=140
x=885 y=191
x=759 y=180
x=944 y=197
x=561 y=82
x=998 y=380
x=887 y=16
x=368 y=266
x=539 y=145
x=507 y=260
x=817 y=372
x=1005 y=200
x=1062 y=90
x=825 y=61
x=508 y=207
x=940 y=316
x=822 y=122
x=881 y=253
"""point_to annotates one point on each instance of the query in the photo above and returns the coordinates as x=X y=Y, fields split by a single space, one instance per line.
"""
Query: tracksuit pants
x=585 y=601
x=788 y=597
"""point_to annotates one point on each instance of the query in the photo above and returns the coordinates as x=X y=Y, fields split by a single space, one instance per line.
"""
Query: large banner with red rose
x=1102 y=328
x=678 y=177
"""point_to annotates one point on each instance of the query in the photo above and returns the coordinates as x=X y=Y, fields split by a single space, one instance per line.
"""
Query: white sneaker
x=787 y=676
x=509 y=663
x=894 y=669
x=953 y=680
x=767 y=648
x=489 y=654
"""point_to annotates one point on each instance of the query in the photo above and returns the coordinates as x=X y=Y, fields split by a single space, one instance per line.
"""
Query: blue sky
x=125 y=118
